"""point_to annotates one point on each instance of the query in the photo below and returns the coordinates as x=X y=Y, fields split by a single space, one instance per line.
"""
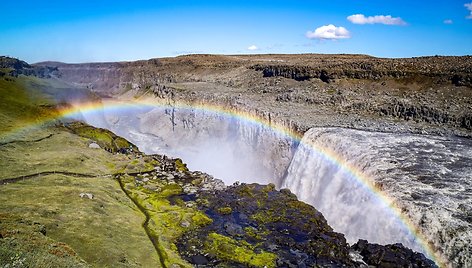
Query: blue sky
x=114 y=30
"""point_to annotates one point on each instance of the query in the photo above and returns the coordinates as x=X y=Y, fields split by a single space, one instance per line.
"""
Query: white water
x=430 y=179
x=227 y=148
x=348 y=205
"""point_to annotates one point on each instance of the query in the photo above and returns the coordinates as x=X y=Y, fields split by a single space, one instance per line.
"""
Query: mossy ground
x=104 y=231
x=167 y=220
x=103 y=137
x=62 y=152
x=23 y=244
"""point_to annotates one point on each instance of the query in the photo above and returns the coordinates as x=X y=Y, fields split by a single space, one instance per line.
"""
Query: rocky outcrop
x=425 y=113
x=454 y=70
x=395 y=255
x=14 y=67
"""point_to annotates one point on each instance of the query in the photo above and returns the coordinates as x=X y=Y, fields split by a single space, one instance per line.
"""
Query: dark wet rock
x=395 y=255
x=199 y=260
x=233 y=229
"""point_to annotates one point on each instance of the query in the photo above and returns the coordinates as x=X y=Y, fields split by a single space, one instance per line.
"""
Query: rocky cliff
x=427 y=94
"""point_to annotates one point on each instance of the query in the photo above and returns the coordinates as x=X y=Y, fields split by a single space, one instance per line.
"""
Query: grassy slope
x=104 y=231
x=20 y=107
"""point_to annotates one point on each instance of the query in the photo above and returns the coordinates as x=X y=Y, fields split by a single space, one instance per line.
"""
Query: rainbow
x=75 y=110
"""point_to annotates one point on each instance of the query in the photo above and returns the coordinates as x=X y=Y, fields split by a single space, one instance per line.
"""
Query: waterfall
x=348 y=206
x=226 y=147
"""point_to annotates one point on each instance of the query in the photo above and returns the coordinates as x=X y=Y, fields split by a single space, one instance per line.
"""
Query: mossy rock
x=228 y=249
x=180 y=165
x=103 y=137
x=252 y=219
x=225 y=210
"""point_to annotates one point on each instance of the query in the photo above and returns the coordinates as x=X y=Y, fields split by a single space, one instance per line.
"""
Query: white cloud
x=448 y=22
x=329 y=32
x=252 y=48
x=469 y=7
x=380 y=19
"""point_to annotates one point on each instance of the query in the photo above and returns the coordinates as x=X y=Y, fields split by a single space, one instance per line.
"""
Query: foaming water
x=346 y=204
x=429 y=178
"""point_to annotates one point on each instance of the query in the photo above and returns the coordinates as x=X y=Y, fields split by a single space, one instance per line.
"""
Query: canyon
x=404 y=124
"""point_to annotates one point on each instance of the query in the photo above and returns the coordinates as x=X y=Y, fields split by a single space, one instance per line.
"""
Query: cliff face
x=441 y=70
x=427 y=93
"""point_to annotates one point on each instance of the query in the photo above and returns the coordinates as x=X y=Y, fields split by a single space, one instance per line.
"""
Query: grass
x=63 y=151
x=103 y=137
x=105 y=231
x=23 y=245
x=21 y=107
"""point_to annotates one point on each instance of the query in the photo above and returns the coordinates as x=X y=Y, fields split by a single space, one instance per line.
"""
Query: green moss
x=266 y=216
x=121 y=143
x=246 y=190
x=200 y=219
x=269 y=188
x=180 y=166
x=225 y=210
x=100 y=136
x=103 y=137
x=151 y=164
x=167 y=221
x=228 y=249
x=170 y=190
x=197 y=182
x=203 y=202
x=257 y=234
